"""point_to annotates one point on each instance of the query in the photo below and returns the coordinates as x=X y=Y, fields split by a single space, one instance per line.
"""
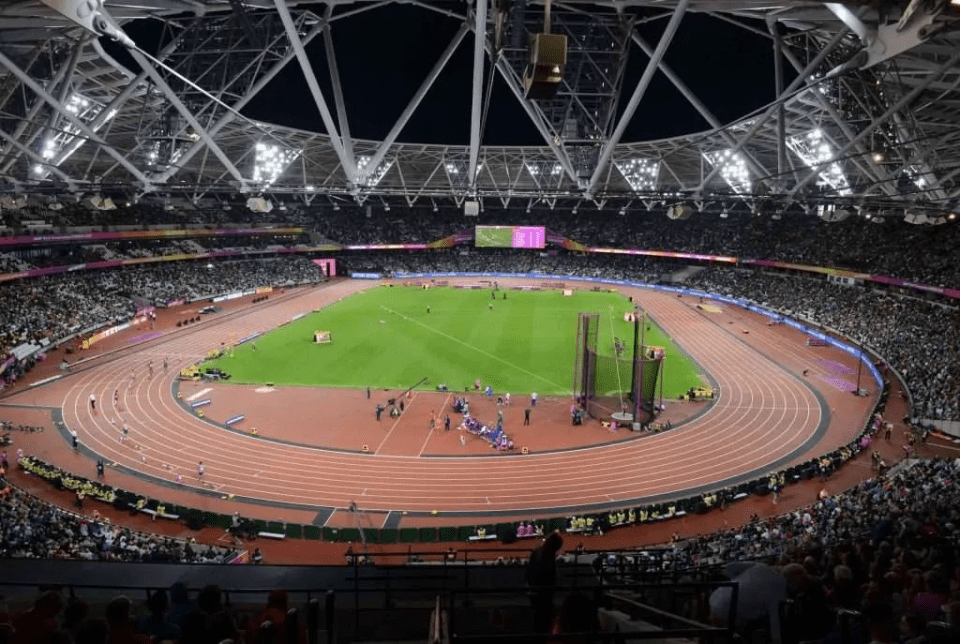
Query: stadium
x=331 y=353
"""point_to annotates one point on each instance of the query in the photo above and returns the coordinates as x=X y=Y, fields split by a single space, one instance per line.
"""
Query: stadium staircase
x=682 y=275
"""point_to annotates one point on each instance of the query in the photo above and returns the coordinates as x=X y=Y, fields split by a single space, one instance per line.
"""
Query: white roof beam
x=347 y=161
x=507 y=73
x=36 y=158
x=417 y=98
x=844 y=127
x=84 y=129
x=476 y=108
x=695 y=101
x=166 y=90
x=607 y=151
x=761 y=120
x=883 y=118
x=337 y=88
x=239 y=105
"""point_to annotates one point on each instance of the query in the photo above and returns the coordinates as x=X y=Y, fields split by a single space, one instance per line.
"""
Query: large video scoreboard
x=510 y=237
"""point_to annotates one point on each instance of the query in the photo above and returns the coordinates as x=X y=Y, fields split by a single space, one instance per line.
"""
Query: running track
x=764 y=417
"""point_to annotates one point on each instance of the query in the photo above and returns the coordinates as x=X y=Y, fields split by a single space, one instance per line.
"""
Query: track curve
x=764 y=414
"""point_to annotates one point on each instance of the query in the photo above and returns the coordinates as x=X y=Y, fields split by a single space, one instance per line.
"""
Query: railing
x=651 y=621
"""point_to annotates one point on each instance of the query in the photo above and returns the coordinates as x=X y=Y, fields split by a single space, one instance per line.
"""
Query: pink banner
x=386 y=247
x=663 y=253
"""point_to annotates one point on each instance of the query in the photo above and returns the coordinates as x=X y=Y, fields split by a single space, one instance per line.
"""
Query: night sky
x=384 y=54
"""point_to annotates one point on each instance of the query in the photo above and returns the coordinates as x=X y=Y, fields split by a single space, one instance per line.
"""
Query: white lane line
x=436 y=425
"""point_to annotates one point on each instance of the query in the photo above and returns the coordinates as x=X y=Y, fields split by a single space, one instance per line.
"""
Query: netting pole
x=616 y=360
x=637 y=384
x=577 y=360
x=662 y=375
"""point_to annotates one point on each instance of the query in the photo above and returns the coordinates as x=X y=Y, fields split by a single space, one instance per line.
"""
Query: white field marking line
x=470 y=346
x=200 y=393
x=436 y=425
x=956 y=449
x=396 y=422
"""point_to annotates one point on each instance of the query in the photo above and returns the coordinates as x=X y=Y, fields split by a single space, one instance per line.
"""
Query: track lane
x=762 y=410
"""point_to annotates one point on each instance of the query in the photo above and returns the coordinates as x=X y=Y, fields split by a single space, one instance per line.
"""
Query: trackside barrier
x=200 y=403
x=235 y=419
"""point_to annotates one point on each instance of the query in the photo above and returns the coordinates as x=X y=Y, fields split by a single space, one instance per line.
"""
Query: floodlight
x=372 y=176
x=67 y=140
x=733 y=169
x=814 y=150
x=270 y=160
x=640 y=173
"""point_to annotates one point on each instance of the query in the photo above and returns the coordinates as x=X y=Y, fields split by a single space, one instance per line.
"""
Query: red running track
x=764 y=414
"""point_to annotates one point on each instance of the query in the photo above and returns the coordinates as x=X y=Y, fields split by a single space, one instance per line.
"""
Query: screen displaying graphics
x=510 y=236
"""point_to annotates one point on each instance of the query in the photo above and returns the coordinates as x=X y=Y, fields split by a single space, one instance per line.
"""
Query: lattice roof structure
x=877 y=83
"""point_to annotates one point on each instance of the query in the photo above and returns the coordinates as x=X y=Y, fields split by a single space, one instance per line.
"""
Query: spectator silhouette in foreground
x=542 y=581
x=155 y=623
x=120 y=620
x=275 y=612
x=761 y=590
x=37 y=623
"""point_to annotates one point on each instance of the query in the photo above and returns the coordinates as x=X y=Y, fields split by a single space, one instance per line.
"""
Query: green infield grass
x=386 y=338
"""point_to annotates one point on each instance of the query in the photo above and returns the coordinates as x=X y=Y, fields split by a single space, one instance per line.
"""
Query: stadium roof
x=866 y=117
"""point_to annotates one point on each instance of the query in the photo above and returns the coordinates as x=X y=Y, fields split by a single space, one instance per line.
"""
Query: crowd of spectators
x=642 y=269
x=886 y=549
x=920 y=339
x=49 y=308
x=923 y=254
x=879 y=560
x=33 y=529
x=25 y=258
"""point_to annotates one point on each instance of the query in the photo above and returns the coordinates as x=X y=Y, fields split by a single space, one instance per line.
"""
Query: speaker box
x=548 y=49
x=679 y=212
x=544 y=72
